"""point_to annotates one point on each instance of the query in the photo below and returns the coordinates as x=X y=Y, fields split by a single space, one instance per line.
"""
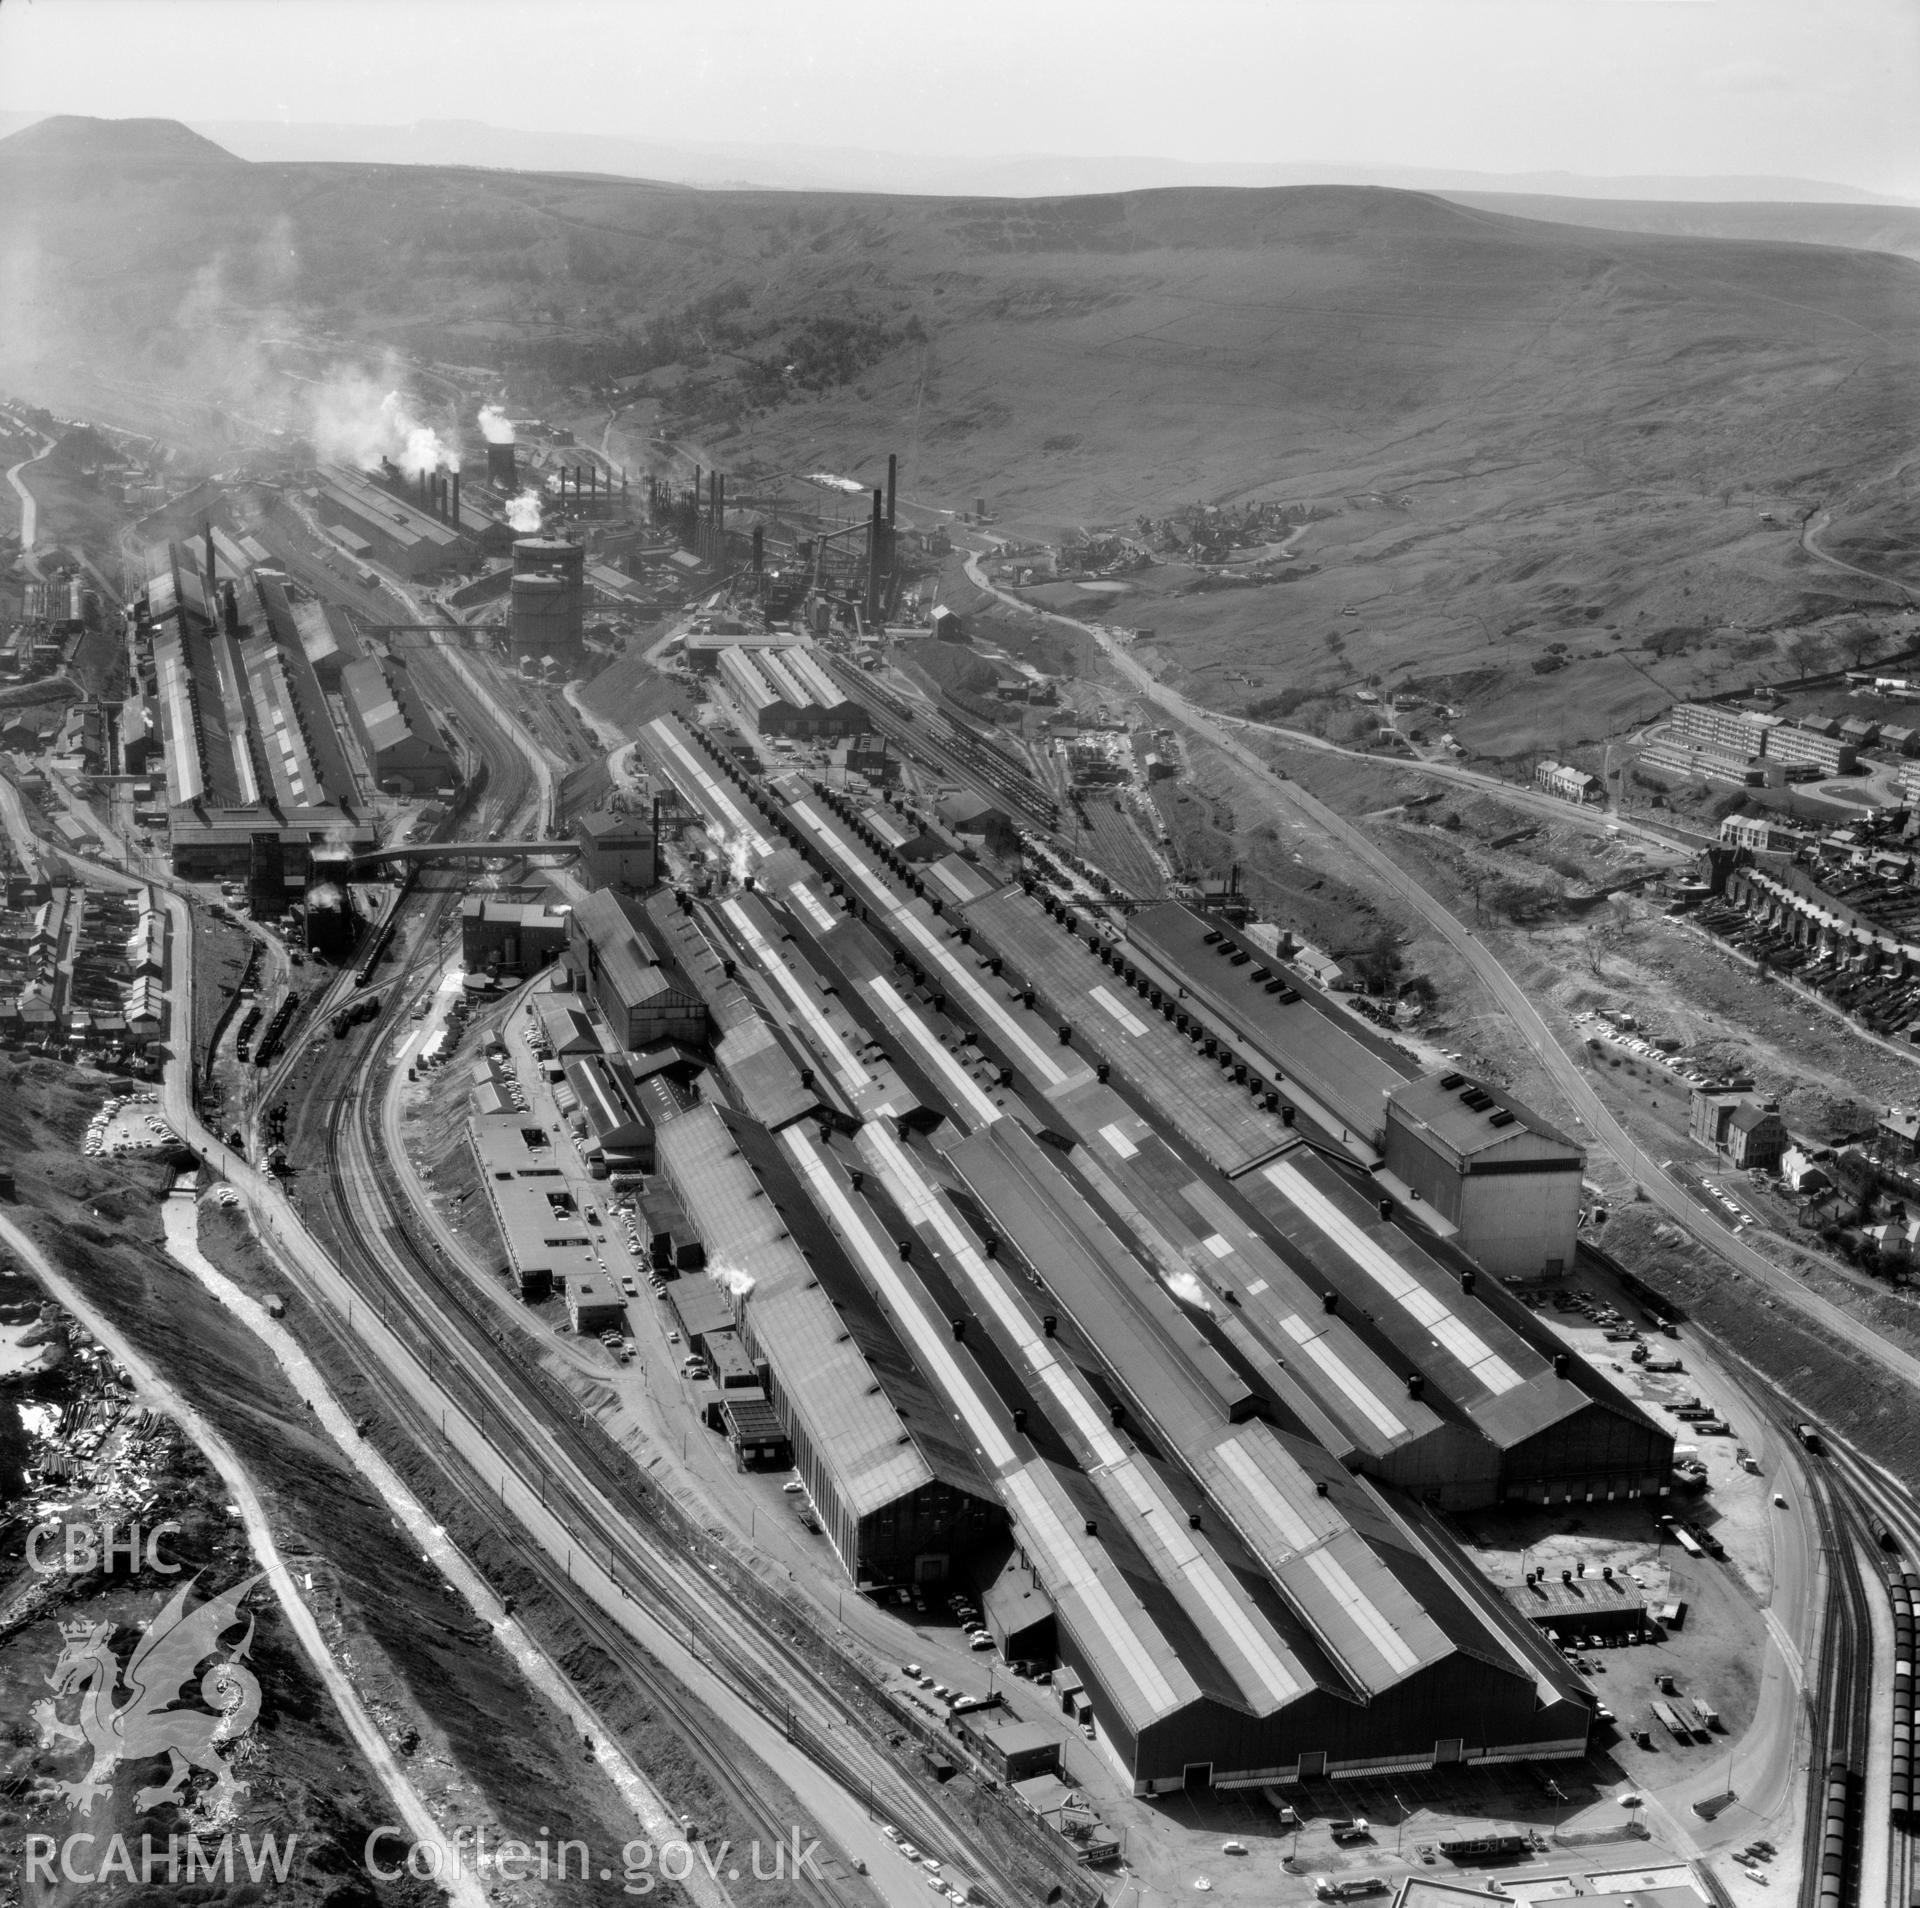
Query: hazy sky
x=1826 y=89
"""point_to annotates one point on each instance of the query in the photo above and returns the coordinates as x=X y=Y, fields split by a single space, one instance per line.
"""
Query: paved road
x=1567 y=1073
x=1595 y=821
x=1810 y=529
x=29 y=508
x=409 y=1809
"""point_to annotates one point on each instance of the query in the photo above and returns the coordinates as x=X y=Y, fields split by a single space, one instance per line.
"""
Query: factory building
x=895 y=1485
x=1323 y=1057
x=787 y=693
x=328 y=636
x=616 y=1135
x=703 y=648
x=618 y=961
x=510 y=937
x=617 y=851
x=1559 y=1431
x=1216 y=1483
x=411 y=535
x=1503 y=1179
x=547 y=598
x=404 y=749
x=594 y=1305
x=541 y=1227
x=1235 y=1607
x=256 y=777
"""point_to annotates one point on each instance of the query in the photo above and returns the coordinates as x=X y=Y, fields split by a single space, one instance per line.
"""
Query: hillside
x=71 y=139
x=1518 y=429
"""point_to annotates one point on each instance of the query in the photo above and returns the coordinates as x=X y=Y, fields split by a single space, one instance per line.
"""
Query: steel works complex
x=1105 y=1266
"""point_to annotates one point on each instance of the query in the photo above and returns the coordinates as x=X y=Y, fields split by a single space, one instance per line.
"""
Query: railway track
x=372 y=1242
x=950 y=746
x=1883 y=1505
x=1842 y=1714
x=542 y=1431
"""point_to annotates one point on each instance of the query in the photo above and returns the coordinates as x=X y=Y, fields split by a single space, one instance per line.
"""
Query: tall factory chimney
x=212 y=569
x=453 y=516
x=875 y=530
x=893 y=471
x=720 y=502
x=426 y=502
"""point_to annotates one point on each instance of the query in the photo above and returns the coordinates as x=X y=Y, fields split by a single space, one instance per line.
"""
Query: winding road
x=29 y=508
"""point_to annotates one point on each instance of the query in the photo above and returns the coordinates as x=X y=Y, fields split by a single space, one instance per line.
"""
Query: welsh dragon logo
x=156 y=1675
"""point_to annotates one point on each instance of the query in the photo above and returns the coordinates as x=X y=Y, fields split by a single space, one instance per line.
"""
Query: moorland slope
x=1521 y=428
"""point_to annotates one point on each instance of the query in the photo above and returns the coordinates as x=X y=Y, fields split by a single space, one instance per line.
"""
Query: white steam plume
x=737 y=1282
x=354 y=422
x=735 y=850
x=495 y=425
x=1188 y=1290
x=523 y=513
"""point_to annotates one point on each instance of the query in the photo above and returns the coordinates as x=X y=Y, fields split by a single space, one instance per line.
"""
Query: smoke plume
x=495 y=425
x=355 y=422
x=1188 y=1290
x=523 y=513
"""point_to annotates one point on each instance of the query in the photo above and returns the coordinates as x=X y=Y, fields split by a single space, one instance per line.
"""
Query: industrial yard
x=1050 y=1049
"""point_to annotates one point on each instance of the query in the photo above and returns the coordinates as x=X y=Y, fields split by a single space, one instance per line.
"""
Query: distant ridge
x=467 y=142
x=1864 y=228
x=74 y=139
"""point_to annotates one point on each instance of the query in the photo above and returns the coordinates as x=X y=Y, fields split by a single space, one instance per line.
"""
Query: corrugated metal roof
x=1466 y=1343
x=1134 y=1660
x=1472 y=1129
x=1191 y=1092
x=372 y=695
x=849 y=1419
x=667 y=746
x=1344 y=1067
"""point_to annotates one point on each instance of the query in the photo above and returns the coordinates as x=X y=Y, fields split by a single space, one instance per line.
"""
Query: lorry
x=1666 y=1715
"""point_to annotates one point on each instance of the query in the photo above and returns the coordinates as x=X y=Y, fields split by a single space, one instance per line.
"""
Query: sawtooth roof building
x=786 y=692
x=256 y=777
x=1090 y=1317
